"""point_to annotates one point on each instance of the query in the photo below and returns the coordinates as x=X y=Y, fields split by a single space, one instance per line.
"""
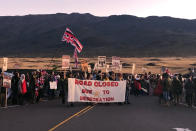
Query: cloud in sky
x=142 y=8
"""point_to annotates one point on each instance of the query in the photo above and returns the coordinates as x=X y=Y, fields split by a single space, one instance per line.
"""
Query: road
x=143 y=114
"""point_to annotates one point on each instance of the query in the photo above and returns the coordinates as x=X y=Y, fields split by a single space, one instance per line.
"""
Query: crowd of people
x=35 y=86
x=171 y=89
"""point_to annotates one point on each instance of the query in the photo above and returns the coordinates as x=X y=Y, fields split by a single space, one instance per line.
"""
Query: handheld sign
x=65 y=61
x=101 y=62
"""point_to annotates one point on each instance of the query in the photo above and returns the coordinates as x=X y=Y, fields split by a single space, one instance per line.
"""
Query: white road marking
x=182 y=129
x=187 y=105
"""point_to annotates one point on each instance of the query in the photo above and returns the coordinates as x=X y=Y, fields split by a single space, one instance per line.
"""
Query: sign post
x=133 y=68
x=4 y=68
x=5 y=61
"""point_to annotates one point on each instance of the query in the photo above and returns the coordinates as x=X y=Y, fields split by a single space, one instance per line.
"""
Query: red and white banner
x=96 y=91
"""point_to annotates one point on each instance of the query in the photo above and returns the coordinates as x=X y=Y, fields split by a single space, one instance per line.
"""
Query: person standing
x=128 y=88
x=52 y=91
x=63 y=83
x=159 y=89
x=194 y=86
x=189 y=91
x=166 y=88
x=176 y=90
x=14 y=88
x=22 y=89
x=2 y=91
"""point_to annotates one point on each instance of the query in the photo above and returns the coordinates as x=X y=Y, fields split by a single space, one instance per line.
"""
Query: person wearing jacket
x=22 y=86
x=2 y=91
x=159 y=89
x=14 y=88
x=189 y=91
x=137 y=86
x=63 y=83
x=194 y=82
x=176 y=89
x=128 y=88
x=166 y=88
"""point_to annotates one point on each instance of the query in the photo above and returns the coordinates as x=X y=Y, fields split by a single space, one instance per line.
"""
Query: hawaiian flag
x=76 y=43
x=69 y=37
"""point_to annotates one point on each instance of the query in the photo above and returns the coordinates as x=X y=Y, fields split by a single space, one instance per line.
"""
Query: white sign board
x=96 y=91
x=182 y=129
x=101 y=62
x=53 y=85
x=116 y=62
x=65 y=61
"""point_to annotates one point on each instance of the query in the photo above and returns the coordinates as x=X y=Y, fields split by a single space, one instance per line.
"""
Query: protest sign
x=7 y=77
x=65 y=61
x=84 y=65
x=116 y=62
x=101 y=62
x=96 y=91
x=53 y=85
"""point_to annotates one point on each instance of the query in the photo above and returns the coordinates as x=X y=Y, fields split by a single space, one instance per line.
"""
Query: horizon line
x=33 y=14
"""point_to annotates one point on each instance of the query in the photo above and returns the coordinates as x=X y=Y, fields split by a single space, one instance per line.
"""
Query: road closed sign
x=96 y=91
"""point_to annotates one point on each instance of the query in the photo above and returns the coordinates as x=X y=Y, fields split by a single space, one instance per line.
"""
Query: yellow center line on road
x=85 y=111
x=76 y=114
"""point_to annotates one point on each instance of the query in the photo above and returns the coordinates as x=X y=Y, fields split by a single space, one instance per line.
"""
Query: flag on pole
x=69 y=37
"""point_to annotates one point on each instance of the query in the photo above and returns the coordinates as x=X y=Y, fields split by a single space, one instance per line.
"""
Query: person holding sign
x=53 y=85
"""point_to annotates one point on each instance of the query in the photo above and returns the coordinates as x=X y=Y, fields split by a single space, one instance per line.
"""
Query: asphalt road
x=143 y=114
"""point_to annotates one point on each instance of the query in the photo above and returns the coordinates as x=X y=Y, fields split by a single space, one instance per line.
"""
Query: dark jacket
x=176 y=86
x=166 y=84
x=14 y=84
x=63 y=85
x=189 y=87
